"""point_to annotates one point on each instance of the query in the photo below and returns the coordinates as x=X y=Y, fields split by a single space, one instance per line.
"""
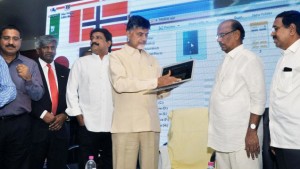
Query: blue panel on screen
x=190 y=42
x=191 y=45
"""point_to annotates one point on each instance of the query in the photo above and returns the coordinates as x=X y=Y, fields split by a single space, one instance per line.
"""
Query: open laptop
x=182 y=70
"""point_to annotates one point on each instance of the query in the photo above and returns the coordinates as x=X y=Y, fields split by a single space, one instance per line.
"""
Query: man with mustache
x=50 y=133
x=14 y=117
x=136 y=124
x=285 y=92
x=237 y=102
x=89 y=98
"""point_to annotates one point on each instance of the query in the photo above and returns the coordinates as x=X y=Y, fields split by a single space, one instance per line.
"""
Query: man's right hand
x=167 y=80
x=80 y=120
x=49 y=118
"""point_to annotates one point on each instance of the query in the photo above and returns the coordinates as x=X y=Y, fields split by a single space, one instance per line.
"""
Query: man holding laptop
x=135 y=127
x=182 y=70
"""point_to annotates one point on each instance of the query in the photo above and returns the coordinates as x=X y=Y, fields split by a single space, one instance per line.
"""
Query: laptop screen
x=183 y=70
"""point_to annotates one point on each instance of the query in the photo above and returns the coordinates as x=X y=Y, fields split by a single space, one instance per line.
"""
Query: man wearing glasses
x=237 y=102
x=14 y=117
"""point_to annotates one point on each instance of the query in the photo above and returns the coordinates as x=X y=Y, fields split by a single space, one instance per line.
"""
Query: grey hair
x=45 y=40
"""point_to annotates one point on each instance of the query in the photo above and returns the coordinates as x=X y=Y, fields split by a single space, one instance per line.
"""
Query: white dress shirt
x=89 y=92
x=45 y=72
x=285 y=101
x=238 y=91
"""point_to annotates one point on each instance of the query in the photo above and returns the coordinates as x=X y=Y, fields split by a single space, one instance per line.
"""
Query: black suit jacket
x=39 y=128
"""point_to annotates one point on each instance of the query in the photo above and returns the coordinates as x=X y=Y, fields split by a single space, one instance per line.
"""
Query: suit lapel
x=44 y=80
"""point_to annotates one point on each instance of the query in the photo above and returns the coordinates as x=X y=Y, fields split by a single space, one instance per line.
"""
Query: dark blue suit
x=52 y=145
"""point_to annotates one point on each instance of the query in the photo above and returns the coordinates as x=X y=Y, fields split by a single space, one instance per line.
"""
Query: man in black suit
x=50 y=132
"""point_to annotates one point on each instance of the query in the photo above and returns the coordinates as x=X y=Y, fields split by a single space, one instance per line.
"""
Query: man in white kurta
x=89 y=98
x=285 y=92
x=237 y=102
x=135 y=127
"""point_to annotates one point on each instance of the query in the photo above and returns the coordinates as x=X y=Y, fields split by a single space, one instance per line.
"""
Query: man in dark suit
x=50 y=132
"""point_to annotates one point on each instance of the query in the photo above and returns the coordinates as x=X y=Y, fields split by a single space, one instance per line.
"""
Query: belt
x=10 y=117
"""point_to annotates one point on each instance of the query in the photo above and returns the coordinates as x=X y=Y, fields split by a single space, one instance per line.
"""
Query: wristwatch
x=253 y=126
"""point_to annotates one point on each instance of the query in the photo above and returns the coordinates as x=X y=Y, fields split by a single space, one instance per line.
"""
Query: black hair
x=136 y=21
x=236 y=25
x=289 y=17
x=106 y=34
x=10 y=27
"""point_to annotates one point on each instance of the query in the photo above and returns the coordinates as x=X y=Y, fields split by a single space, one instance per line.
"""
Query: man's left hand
x=252 y=144
x=59 y=121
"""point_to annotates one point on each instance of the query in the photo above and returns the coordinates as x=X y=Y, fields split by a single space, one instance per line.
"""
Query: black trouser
x=53 y=148
x=267 y=155
x=287 y=158
x=15 y=142
x=95 y=143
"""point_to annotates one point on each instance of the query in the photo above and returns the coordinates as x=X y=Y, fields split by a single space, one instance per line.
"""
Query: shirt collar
x=44 y=64
x=16 y=59
x=233 y=53
x=132 y=50
x=105 y=57
x=293 y=48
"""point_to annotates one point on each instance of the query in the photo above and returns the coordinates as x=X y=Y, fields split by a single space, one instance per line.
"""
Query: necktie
x=53 y=88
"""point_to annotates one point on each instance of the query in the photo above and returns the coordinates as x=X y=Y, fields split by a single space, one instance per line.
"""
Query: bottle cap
x=91 y=157
x=211 y=163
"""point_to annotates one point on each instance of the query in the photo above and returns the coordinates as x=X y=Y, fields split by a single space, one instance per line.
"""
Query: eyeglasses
x=221 y=35
x=14 y=38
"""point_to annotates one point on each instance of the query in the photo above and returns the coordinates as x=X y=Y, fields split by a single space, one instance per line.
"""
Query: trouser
x=15 y=142
x=128 y=146
x=268 y=157
x=54 y=149
x=287 y=158
x=237 y=160
x=97 y=144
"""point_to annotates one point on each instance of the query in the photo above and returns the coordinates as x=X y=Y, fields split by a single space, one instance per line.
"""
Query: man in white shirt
x=237 y=102
x=89 y=98
x=285 y=92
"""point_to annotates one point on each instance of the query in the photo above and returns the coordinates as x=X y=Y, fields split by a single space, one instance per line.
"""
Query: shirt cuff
x=43 y=114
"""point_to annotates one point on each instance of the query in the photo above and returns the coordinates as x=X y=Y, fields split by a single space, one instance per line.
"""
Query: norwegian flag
x=111 y=16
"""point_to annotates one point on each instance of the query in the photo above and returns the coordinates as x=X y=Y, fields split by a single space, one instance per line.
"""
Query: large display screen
x=180 y=30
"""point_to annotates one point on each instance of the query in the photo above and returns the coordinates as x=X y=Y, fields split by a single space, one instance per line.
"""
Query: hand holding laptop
x=173 y=76
x=167 y=80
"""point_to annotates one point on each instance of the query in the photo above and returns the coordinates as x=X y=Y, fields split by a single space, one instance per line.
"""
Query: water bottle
x=210 y=165
x=91 y=164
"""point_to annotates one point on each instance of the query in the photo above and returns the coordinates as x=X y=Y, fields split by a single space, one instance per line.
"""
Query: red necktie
x=53 y=88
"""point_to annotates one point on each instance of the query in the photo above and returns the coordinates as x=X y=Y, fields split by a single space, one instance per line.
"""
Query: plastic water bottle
x=210 y=165
x=91 y=164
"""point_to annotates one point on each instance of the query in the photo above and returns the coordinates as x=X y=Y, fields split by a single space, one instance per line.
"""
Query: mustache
x=94 y=43
x=10 y=45
x=49 y=54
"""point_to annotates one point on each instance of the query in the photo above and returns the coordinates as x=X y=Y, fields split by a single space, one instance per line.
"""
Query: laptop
x=182 y=70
